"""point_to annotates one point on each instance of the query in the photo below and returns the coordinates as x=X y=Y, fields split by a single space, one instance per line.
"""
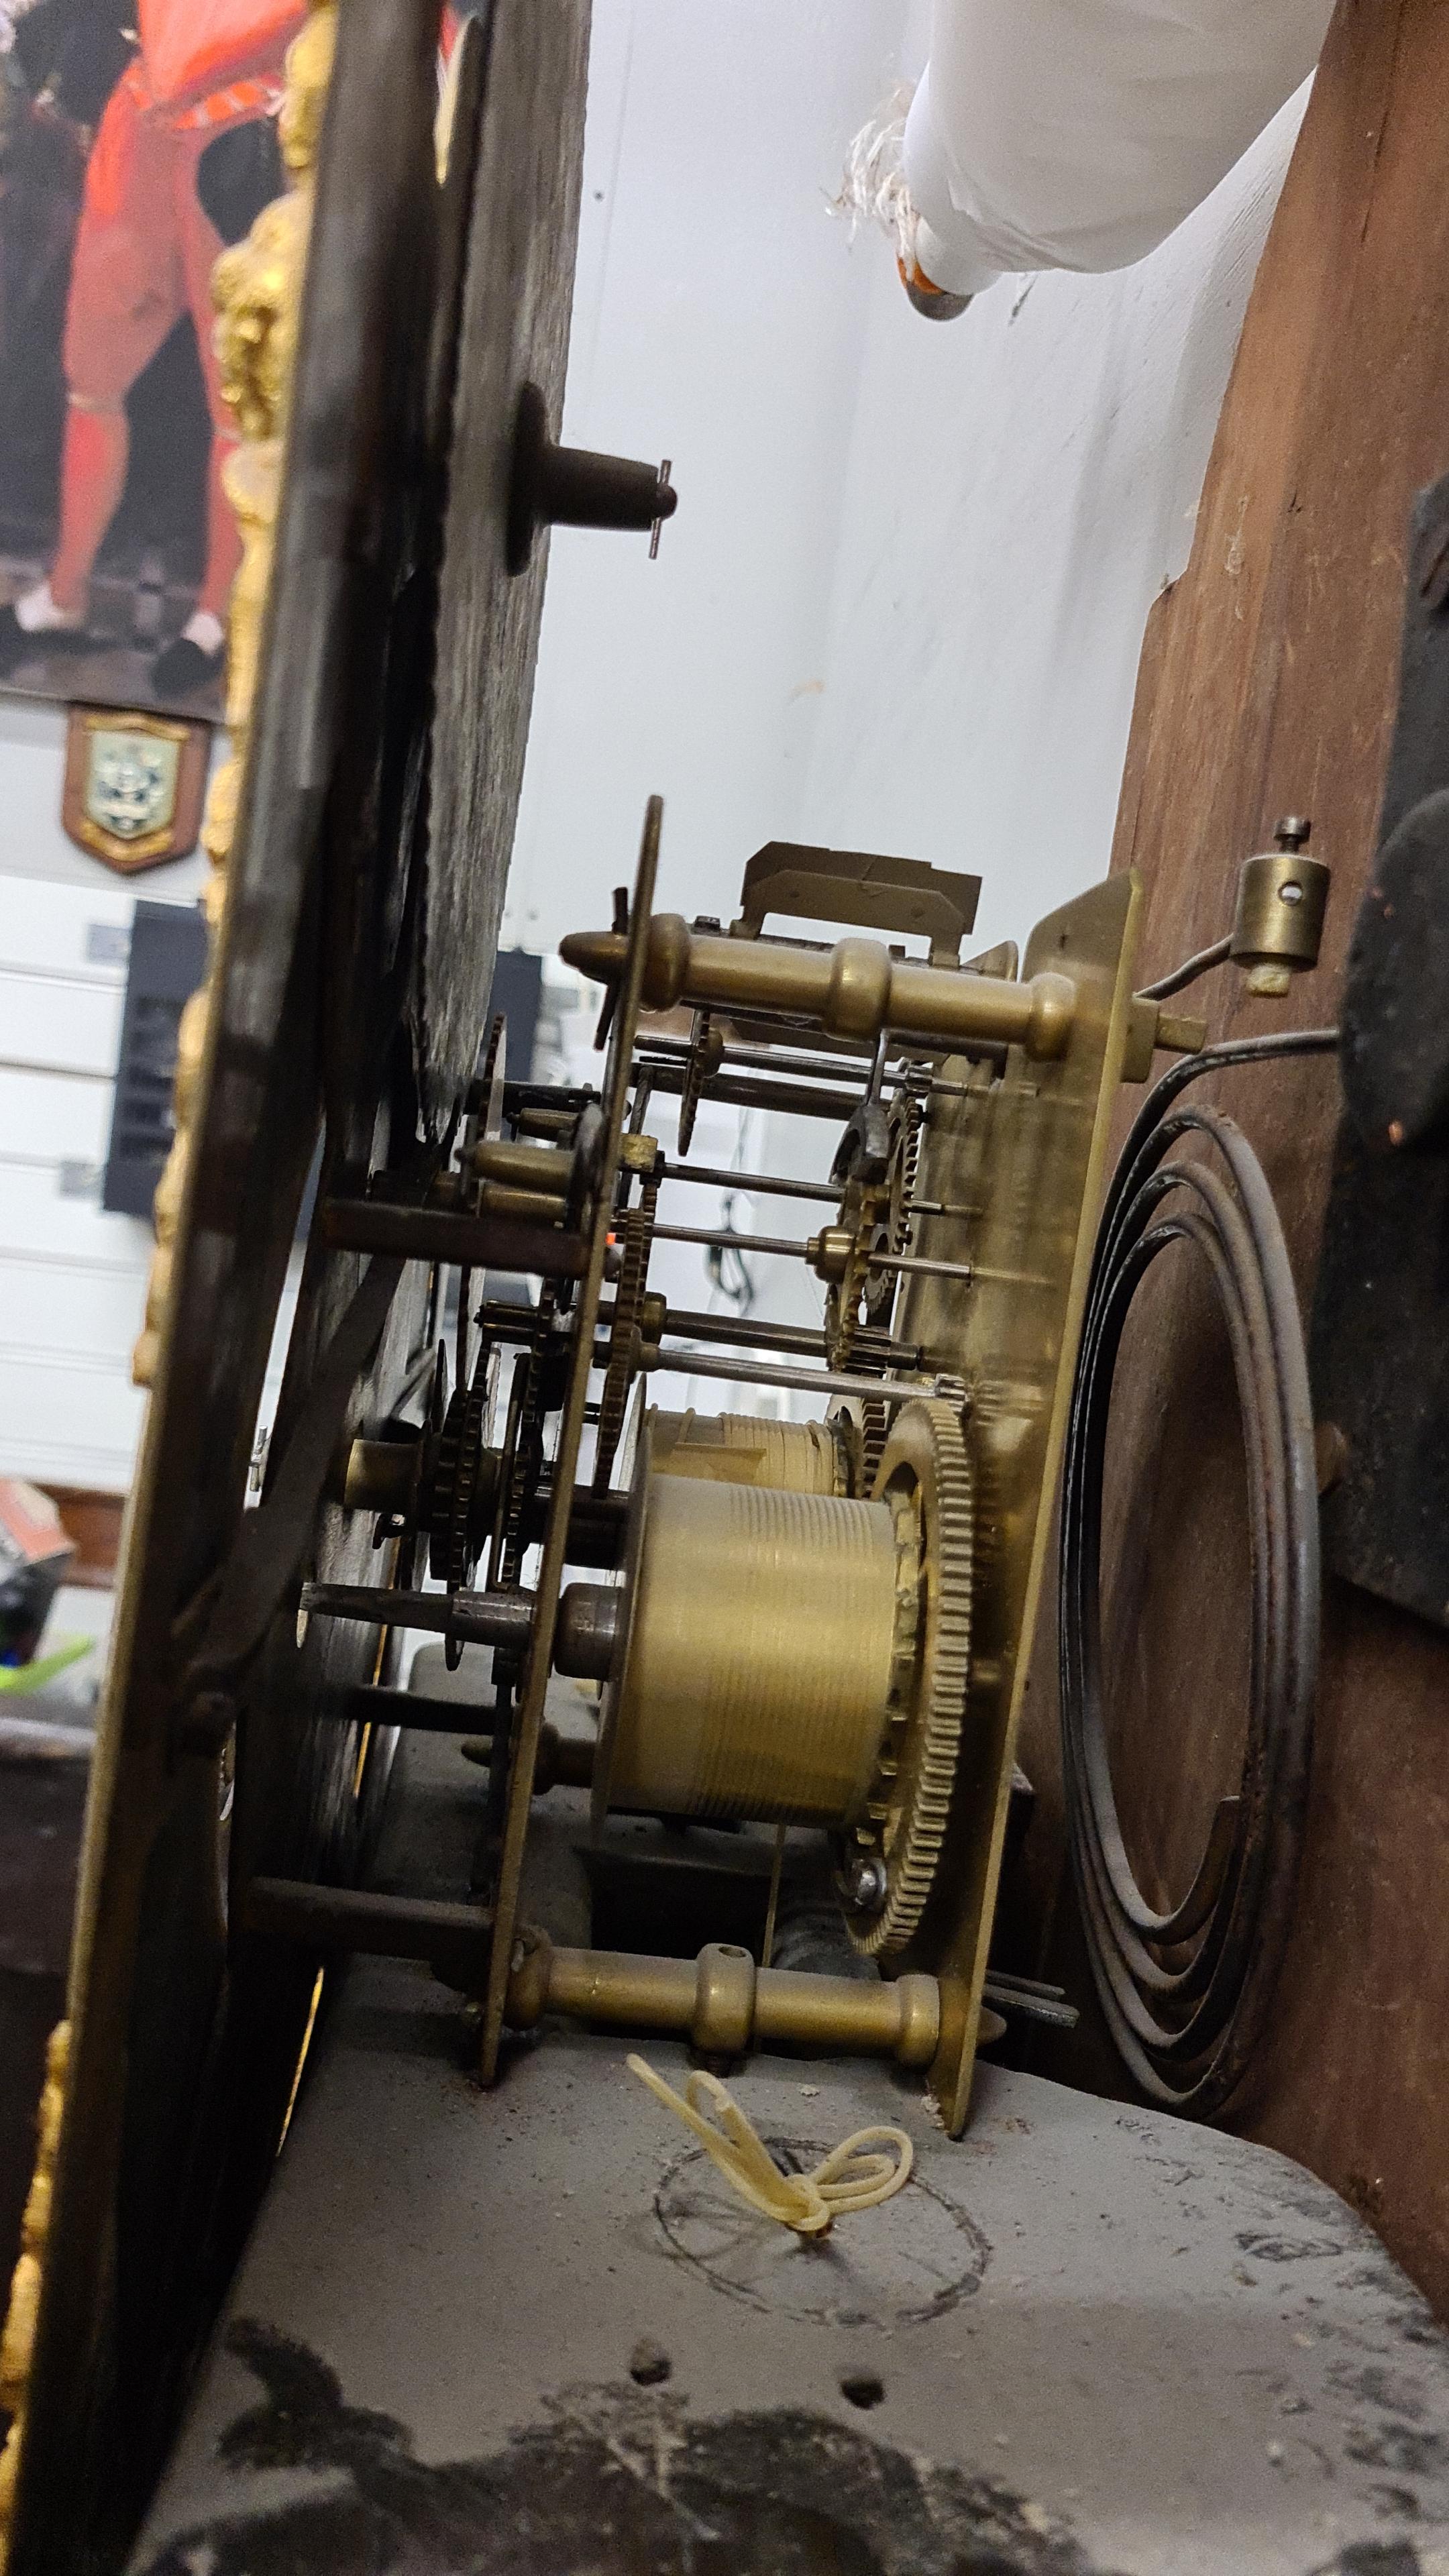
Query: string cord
x=855 y=2175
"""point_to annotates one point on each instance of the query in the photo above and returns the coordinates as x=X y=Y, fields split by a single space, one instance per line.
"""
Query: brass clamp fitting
x=1282 y=898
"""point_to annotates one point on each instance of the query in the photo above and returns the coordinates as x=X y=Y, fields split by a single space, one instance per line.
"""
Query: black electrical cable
x=1185 y=1993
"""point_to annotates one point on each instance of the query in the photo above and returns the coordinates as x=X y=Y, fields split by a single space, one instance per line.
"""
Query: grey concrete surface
x=532 y=2332
x=1154 y=2347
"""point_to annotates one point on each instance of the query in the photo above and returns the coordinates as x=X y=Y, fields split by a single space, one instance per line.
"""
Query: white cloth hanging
x=1079 y=133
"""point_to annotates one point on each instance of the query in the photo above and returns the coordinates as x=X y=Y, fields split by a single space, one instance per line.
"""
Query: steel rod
x=1026 y=1985
x=438 y=1234
x=783 y=1058
x=1028 y=2004
x=724 y=1239
x=918 y=1267
x=564 y=1761
x=821 y=1068
x=373 y=1704
x=452 y=1938
x=808 y=1381
x=746 y=1332
x=747 y=1091
x=505 y=1321
x=789 y=1249
x=801 y=1339
x=478 y=1618
x=753 y=1184
x=936 y=1090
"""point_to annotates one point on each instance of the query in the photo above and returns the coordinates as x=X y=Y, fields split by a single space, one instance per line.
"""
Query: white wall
x=902 y=603
x=1022 y=483
x=72 y=1276
x=719 y=320
x=900 y=607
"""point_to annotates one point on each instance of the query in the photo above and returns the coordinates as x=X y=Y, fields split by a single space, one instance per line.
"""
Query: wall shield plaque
x=134 y=786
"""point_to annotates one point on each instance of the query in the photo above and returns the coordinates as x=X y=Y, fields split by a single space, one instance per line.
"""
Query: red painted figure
x=144 y=252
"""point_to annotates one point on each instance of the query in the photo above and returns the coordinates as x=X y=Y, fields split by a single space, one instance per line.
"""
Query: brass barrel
x=761 y=1635
x=749 y=1449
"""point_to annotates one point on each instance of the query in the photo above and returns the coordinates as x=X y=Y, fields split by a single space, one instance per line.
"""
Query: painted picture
x=137 y=139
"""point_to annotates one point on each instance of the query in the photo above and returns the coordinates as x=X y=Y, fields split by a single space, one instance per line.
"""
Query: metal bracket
x=863 y=888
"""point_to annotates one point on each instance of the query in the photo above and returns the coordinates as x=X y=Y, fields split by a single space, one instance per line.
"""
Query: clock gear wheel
x=863 y=1425
x=875 y=1424
x=861 y=1207
x=861 y=1172
x=706 y=1053
x=894 y=1221
x=522 y=1466
x=908 y=1127
x=625 y=1332
x=927 y=1478
x=461 y=1488
x=483 y=1122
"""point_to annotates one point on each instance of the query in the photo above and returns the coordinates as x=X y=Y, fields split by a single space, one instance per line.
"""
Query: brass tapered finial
x=599 y=954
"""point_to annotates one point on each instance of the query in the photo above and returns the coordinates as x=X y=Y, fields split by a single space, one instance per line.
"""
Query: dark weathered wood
x=514 y=331
x=1267 y=685
x=148 y=2155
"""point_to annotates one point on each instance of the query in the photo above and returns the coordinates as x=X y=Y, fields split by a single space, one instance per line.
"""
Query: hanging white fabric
x=1078 y=133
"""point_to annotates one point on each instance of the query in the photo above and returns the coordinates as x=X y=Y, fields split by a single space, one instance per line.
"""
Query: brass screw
x=1291 y=832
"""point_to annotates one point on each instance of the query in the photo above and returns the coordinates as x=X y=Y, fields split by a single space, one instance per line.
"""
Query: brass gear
x=861 y=1203
x=703 y=1060
x=863 y=1424
x=908 y=1127
x=875 y=1423
x=484 y=1119
x=455 y=1542
x=523 y=1448
x=894 y=1224
x=926 y=1476
x=624 y=1333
